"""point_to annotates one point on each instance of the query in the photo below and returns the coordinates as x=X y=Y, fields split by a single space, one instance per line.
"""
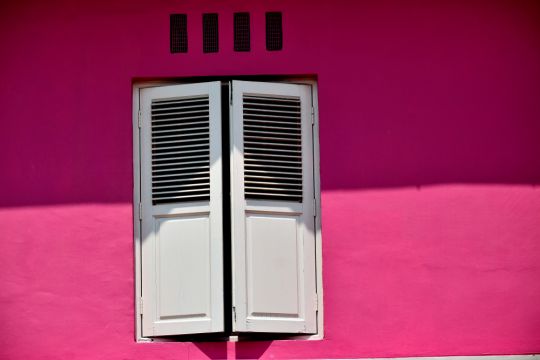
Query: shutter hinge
x=140 y=211
x=314 y=207
x=312 y=115
x=230 y=92
x=234 y=314
x=139 y=116
x=316 y=303
x=140 y=305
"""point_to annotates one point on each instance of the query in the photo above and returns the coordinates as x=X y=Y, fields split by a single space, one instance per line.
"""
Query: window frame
x=137 y=87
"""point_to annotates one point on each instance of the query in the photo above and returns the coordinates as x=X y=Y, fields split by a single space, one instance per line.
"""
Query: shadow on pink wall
x=234 y=350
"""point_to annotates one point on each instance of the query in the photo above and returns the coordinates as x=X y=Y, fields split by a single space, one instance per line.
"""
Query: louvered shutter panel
x=273 y=227
x=182 y=256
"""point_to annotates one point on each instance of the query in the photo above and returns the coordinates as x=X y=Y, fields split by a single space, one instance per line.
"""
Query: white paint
x=182 y=244
x=273 y=242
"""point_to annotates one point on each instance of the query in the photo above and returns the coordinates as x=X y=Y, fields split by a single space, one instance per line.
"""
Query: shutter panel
x=273 y=227
x=182 y=255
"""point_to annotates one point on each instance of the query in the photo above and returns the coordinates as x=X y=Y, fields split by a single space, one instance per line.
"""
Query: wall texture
x=430 y=167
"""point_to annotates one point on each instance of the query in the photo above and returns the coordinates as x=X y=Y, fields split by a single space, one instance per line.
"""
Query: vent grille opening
x=274 y=31
x=241 y=32
x=180 y=150
x=272 y=148
x=210 y=33
x=179 y=41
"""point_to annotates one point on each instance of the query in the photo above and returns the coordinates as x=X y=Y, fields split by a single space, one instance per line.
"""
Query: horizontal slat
x=273 y=188
x=173 y=175
x=184 y=165
x=284 y=140
x=197 y=112
x=289 y=152
x=251 y=99
x=179 y=192
x=168 y=199
x=264 y=155
x=188 y=146
x=273 y=177
x=266 y=126
x=161 y=189
x=200 y=118
x=179 y=156
x=271 y=196
x=180 y=140
x=283 y=118
x=180 y=152
x=285 y=113
x=253 y=184
x=197 y=162
x=289 y=134
x=280 y=105
x=271 y=144
x=178 y=180
x=263 y=163
x=203 y=107
x=180 y=100
x=184 y=133
x=187 y=126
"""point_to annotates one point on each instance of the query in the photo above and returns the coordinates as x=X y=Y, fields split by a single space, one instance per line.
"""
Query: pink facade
x=430 y=166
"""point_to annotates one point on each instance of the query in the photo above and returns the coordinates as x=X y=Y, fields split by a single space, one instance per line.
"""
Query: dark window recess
x=210 y=33
x=241 y=32
x=274 y=31
x=179 y=43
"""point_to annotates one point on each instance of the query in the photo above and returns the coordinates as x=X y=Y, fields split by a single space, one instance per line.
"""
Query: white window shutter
x=181 y=174
x=273 y=208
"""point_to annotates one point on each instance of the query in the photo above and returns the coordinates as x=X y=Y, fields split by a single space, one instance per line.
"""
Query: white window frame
x=137 y=87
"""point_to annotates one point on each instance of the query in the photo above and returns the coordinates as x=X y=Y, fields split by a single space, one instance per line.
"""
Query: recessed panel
x=183 y=251
x=273 y=276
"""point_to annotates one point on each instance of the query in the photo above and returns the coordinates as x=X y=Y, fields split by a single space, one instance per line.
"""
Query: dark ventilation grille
x=274 y=31
x=210 y=33
x=180 y=150
x=241 y=32
x=272 y=148
x=179 y=33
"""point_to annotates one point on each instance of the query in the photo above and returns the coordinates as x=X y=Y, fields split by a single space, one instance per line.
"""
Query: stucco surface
x=430 y=167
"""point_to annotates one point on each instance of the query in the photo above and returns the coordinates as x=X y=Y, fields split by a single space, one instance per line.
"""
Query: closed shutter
x=273 y=228
x=182 y=255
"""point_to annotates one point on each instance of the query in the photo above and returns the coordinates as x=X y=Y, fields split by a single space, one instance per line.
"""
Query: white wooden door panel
x=182 y=256
x=273 y=265
x=272 y=208
x=182 y=295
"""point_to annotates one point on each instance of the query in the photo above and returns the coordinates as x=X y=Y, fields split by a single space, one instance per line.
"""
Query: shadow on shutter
x=272 y=148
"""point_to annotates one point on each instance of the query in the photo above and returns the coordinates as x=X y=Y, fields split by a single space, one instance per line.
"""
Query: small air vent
x=272 y=148
x=210 y=33
x=274 y=31
x=180 y=150
x=179 y=41
x=241 y=32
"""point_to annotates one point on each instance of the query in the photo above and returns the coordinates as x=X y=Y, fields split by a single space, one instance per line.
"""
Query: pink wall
x=430 y=166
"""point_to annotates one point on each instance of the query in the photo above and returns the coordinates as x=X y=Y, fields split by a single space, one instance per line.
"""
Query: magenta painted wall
x=430 y=167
